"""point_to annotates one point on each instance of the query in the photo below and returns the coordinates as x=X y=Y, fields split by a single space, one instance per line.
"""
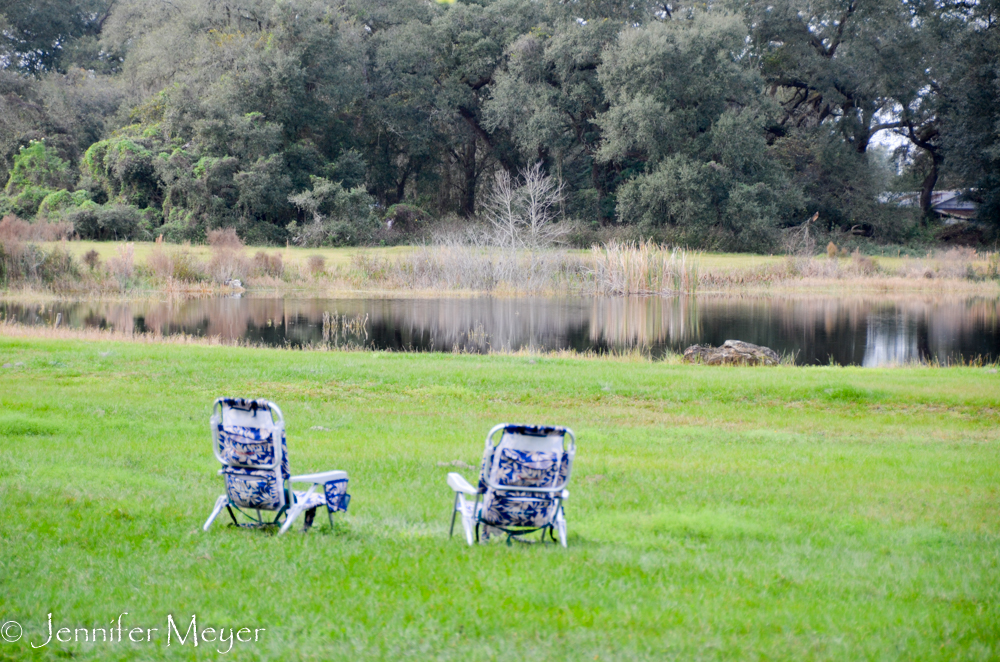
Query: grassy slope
x=819 y=513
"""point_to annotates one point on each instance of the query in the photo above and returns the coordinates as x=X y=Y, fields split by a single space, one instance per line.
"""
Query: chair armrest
x=320 y=478
x=459 y=484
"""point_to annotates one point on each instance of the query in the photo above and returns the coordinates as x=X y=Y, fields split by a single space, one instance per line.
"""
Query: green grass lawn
x=781 y=513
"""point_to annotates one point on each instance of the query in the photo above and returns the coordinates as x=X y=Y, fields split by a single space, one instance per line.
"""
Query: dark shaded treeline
x=315 y=121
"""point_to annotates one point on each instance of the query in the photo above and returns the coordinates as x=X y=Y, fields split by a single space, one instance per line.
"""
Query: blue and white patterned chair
x=522 y=483
x=248 y=438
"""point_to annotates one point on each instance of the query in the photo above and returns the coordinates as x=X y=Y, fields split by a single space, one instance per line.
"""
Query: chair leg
x=454 y=514
x=469 y=524
x=293 y=512
x=220 y=503
x=561 y=527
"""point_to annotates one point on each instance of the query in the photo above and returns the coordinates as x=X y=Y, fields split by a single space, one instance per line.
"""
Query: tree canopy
x=719 y=124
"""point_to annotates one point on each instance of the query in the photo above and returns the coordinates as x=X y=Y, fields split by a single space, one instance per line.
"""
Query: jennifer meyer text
x=172 y=633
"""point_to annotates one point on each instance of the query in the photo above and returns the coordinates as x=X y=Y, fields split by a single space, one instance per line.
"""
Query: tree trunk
x=927 y=188
x=468 y=208
x=597 y=180
x=862 y=141
x=401 y=186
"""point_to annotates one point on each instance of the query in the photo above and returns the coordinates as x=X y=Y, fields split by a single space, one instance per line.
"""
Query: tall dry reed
x=460 y=266
x=122 y=265
x=626 y=268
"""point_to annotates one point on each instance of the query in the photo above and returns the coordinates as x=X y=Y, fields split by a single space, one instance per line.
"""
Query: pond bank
x=104 y=270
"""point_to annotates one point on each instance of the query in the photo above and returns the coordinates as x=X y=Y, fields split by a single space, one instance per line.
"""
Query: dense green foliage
x=715 y=125
x=781 y=513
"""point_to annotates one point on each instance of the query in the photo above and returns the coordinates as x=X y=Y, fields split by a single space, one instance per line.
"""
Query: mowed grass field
x=779 y=513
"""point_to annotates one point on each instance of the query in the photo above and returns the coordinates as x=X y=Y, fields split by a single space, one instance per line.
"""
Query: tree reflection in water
x=846 y=330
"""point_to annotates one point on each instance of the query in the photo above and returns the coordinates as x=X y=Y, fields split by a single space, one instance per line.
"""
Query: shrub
x=55 y=203
x=188 y=268
x=180 y=226
x=864 y=265
x=26 y=201
x=831 y=250
x=13 y=228
x=109 y=222
x=224 y=238
x=317 y=264
x=336 y=216
x=92 y=259
x=38 y=165
x=19 y=261
x=268 y=265
x=57 y=264
x=160 y=263
x=228 y=260
x=124 y=168
x=122 y=265
x=405 y=218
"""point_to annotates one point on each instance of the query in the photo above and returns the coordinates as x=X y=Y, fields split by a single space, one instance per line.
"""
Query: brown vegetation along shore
x=76 y=269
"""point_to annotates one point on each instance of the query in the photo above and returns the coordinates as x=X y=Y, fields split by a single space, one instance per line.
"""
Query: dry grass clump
x=956 y=263
x=228 y=261
x=227 y=265
x=450 y=266
x=956 y=267
x=28 y=263
x=643 y=268
x=458 y=266
x=224 y=238
x=13 y=228
x=159 y=262
x=187 y=267
x=371 y=269
x=92 y=259
x=122 y=265
x=176 y=265
x=317 y=265
x=268 y=265
x=864 y=265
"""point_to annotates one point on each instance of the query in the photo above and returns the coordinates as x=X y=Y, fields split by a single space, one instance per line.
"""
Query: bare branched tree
x=522 y=212
x=502 y=211
x=540 y=197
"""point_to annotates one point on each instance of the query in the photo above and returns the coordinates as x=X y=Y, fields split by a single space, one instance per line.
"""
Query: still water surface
x=816 y=330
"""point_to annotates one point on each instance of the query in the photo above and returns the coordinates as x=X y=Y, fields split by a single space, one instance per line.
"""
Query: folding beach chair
x=522 y=484
x=248 y=438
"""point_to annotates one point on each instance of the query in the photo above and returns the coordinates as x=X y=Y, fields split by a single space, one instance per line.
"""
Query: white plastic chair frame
x=289 y=511
x=471 y=524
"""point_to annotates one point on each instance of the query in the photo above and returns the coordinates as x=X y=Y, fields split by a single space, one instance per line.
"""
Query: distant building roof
x=946 y=203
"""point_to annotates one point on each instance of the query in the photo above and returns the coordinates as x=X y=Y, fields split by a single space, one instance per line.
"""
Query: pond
x=868 y=331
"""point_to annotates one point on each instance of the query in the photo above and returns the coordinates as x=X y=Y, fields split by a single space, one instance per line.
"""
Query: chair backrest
x=249 y=440
x=523 y=473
